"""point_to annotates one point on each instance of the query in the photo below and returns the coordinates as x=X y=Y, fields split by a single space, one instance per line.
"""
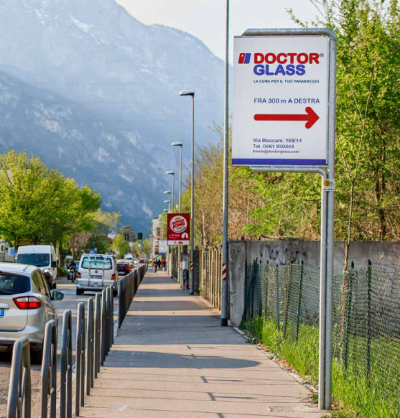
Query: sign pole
x=331 y=219
x=225 y=231
x=306 y=161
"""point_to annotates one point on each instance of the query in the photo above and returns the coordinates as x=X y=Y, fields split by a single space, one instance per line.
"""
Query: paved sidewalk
x=172 y=359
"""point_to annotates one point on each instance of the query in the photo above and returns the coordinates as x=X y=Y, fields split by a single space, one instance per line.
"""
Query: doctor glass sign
x=178 y=228
x=280 y=101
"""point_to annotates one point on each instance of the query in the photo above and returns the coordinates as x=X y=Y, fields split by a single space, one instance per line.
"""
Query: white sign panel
x=280 y=101
x=163 y=247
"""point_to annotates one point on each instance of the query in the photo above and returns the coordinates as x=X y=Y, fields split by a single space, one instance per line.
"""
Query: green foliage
x=145 y=249
x=61 y=272
x=119 y=245
x=350 y=388
x=40 y=204
x=106 y=222
x=99 y=241
x=277 y=205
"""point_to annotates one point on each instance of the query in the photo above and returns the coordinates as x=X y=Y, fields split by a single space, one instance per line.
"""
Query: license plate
x=96 y=277
x=1 y=313
x=95 y=284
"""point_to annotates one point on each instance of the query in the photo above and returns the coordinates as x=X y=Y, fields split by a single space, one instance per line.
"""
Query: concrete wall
x=381 y=254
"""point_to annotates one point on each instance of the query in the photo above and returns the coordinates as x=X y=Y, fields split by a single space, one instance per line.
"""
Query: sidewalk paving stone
x=172 y=358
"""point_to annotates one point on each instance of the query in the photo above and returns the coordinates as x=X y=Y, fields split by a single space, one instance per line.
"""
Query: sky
x=205 y=19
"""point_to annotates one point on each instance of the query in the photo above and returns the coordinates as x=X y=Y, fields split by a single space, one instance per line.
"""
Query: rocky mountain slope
x=94 y=93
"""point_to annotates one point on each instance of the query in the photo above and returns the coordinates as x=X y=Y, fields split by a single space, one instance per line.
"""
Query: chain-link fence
x=366 y=316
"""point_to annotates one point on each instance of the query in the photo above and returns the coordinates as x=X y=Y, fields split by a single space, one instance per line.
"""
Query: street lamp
x=169 y=204
x=225 y=253
x=180 y=145
x=191 y=94
x=173 y=188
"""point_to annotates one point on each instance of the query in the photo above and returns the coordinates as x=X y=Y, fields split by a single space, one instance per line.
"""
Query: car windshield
x=38 y=260
x=97 y=263
x=11 y=284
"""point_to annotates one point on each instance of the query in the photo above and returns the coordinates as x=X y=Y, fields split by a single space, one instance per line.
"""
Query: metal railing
x=20 y=391
x=128 y=287
x=49 y=370
x=94 y=338
x=66 y=367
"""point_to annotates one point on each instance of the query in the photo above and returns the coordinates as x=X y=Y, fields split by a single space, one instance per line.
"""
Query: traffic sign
x=280 y=101
x=178 y=228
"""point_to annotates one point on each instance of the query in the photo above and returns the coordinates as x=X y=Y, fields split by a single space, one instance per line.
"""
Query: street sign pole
x=327 y=198
x=225 y=219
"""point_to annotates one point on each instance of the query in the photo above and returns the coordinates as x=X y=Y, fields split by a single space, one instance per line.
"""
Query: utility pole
x=191 y=94
x=225 y=250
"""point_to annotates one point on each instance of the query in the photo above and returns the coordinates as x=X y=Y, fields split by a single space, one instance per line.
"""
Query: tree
x=39 y=204
x=368 y=117
x=120 y=246
x=127 y=230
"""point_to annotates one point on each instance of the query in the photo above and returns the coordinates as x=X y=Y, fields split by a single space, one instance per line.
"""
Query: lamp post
x=225 y=253
x=191 y=94
x=170 y=252
x=171 y=173
x=169 y=204
x=180 y=145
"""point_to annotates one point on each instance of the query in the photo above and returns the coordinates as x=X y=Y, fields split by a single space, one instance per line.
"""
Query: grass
x=354 y=396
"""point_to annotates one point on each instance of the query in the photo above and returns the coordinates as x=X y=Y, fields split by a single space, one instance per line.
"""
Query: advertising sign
x=163 y=247
x=178 y=228
x=280 y=101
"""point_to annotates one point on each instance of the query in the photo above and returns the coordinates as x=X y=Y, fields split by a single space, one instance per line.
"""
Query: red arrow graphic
x=311 y=117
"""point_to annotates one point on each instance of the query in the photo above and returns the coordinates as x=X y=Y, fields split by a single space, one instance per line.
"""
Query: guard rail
x=94 y=338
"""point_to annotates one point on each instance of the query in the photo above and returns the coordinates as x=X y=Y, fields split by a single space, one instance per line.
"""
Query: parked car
x=42 y=256
x=96 y=272
x=26 y=305
x=124 y=267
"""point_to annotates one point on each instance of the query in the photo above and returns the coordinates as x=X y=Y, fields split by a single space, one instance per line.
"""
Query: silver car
x=26 y=305
x=96 y=272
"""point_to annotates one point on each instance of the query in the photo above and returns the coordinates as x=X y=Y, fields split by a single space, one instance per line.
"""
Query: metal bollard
x=20 y=390
x=103 y=326
x=66 y=367
x=80 y=358
x=49 y=370
x=97 y=336
x=89 y=347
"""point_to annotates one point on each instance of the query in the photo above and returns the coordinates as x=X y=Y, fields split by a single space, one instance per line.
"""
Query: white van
x=42 y=256
x=96 y=272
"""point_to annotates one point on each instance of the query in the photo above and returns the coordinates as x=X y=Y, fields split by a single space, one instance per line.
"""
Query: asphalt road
x=70 y=301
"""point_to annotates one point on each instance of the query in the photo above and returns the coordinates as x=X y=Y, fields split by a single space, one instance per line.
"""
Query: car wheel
x=79 y=292
x=37 y=356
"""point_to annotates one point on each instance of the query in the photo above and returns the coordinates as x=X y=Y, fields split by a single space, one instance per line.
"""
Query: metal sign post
x=284 y=121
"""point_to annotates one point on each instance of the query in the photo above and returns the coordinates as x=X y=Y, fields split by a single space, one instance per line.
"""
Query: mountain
x=107 y=155
x=85 y=78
